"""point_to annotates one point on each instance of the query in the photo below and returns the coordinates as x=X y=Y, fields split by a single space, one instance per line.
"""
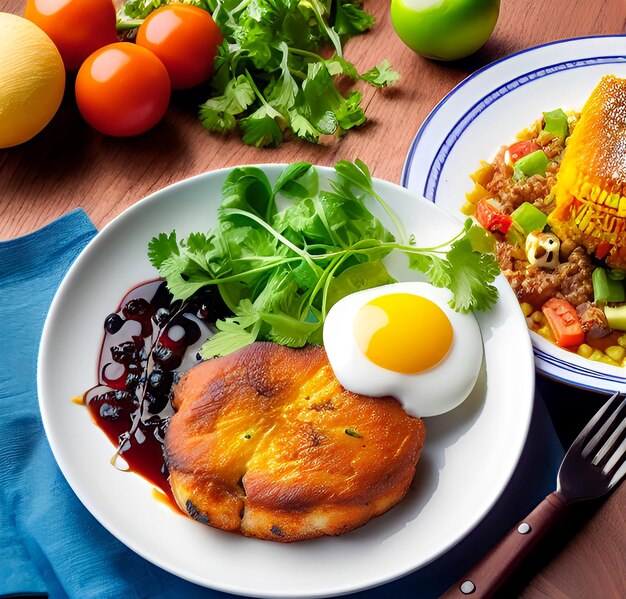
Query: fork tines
x=604 y=439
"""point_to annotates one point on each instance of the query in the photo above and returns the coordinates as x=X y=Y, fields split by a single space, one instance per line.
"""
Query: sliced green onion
x=606 y=289
x=352 y=433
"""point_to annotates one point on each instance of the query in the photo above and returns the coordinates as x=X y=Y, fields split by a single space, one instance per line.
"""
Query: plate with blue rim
x=485 y=112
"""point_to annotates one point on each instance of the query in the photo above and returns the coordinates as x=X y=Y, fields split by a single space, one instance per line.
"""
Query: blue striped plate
x=484 y=112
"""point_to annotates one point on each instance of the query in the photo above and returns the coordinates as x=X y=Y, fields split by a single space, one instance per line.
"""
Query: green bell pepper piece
x=534 y=163
x=515 y=235
x=555 y=122
x=529 y=218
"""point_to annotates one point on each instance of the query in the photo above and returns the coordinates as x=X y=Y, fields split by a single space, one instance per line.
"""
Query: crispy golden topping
x=591 y=185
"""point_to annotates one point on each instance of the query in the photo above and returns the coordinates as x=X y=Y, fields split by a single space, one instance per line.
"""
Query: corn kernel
x=615 y=352
x=607 y=360
x=527 y=309
x=545 y=332
x=584 y=350
x=596 y=355
x=538 y=317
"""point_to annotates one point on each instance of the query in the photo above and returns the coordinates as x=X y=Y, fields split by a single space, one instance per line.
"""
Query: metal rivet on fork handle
x=467 y=587
x=524 y=528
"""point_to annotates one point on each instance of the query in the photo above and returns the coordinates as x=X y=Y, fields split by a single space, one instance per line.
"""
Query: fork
x=593 y=465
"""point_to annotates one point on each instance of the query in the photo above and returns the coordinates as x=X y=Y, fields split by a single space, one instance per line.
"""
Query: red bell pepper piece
x=563 y=322
x=520 y=149
x=492 y=218
x=602 y=249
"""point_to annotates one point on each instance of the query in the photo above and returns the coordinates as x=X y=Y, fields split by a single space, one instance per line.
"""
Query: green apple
x=444 y=29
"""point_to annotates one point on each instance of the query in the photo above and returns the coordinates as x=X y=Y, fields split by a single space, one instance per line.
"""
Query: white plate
x=469 y=456
x=485 y=112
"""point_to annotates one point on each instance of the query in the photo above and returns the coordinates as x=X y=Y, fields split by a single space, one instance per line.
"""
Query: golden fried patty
x=266 y=441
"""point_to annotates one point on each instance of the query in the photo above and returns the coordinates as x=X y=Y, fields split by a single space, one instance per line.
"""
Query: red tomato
x=520 y=149
x=185 y=38
x=122 y=89
x=563 y=322
x=77 y=27
x=491 y=218
x=602 y=249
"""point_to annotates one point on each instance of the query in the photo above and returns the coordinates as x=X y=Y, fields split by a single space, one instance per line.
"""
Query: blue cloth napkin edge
x=51 y=227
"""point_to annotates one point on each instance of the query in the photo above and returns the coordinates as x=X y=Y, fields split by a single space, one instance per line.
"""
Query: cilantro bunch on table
x=280 y=271
x=270 y=79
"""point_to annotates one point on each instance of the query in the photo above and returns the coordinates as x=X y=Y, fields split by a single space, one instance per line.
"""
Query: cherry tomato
x=122 y=89
x=77 y=27
x=185 y=38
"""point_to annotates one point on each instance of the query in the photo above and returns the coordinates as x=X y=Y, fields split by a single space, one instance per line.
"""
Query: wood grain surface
x=68 y=166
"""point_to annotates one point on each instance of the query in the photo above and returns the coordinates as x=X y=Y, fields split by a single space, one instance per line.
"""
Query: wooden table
x=69 y=166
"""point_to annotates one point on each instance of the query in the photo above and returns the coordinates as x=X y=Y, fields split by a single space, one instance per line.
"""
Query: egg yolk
x=403 y=332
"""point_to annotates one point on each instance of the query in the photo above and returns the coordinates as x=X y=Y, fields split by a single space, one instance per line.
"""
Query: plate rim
x=561 y=365
x=413 y=146
x=65 y=467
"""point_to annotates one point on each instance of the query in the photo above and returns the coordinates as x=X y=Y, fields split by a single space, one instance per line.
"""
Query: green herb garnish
x=352 y=433
x=270 y=78
x=280 y=272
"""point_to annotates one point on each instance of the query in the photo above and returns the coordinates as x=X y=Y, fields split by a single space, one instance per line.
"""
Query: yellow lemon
x=32 y=80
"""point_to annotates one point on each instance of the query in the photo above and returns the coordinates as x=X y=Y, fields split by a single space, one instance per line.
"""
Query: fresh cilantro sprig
x=271 y=80
x=381 y=75
x=280 y=272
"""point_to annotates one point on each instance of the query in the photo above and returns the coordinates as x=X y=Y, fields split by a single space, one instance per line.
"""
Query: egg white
x=428 y=393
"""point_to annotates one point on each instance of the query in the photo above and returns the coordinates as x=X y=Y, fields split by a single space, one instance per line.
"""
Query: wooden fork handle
x=488 y=575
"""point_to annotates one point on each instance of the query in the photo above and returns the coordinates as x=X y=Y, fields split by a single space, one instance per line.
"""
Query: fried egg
x=404 y=340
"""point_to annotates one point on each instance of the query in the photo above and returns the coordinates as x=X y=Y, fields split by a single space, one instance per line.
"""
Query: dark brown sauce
x=149 y=341
x=602 y=343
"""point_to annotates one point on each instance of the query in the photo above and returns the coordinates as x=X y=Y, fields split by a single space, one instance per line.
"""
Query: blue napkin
x=49 y=543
